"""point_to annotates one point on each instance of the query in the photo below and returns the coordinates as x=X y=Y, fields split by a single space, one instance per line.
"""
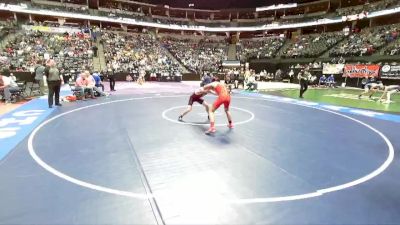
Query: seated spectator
x=97 y=79
x=83 y=84
x=313 y=45
x=322 y=80
x=197 y=55
x=330 y=81
x=367 y=42
x=251 y=83
x=260 y=48
x=8 y=86
x=92 y=83
x=135 y=53
x=130 y=79
x=28 y=49
x=153 y=77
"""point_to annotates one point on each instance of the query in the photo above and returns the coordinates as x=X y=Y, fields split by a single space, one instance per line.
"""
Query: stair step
x=232 y=52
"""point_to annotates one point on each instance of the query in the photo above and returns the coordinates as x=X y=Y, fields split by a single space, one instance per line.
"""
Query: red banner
x=361 y=70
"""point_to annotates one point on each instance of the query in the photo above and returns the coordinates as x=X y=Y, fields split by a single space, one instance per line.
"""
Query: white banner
x=59 y=30
x=333 y=69
x=234 y=63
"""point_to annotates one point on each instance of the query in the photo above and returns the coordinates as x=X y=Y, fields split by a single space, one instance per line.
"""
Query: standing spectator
x=303 y=77
x=54 y=82
x=95 y=49
x=278 y=74
x=291 y=75
x=94 y=35
x=40 y=78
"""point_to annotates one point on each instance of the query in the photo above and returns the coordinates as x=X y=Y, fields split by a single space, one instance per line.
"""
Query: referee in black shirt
x=304 y=77
x=54 y=82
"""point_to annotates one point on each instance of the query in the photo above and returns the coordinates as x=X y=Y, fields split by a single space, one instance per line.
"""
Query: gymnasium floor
x=127 y=160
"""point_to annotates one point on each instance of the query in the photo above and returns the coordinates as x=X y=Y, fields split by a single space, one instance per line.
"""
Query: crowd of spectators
x=309 y=46
x=124 y=9
x=393 y=49
x=72 y=52
x=369 y=7
x=260 y=48
x=116 y=10
x=135 y=11
x=62 y=7
x=136 y=54
x=366 y=42
x=6 y=28
x=197 y=55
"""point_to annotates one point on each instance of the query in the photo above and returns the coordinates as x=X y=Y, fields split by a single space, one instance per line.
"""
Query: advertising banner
x=333 y=69
x=361 y=71
x=390 y=72
x=46 y=29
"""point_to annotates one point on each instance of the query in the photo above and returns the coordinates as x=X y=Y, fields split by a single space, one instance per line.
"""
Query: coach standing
x=54 y=81
x=303 y=76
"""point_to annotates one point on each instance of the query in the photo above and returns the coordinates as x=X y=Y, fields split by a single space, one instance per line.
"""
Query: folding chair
x=35 y=88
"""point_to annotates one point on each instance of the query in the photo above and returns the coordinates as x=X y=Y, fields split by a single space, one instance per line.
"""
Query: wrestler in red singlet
x=223 y=98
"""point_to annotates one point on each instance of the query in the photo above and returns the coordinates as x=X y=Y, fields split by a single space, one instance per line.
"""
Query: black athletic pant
x=100 y=86
x=54 y=90
x=112 y=83
x=303 y=87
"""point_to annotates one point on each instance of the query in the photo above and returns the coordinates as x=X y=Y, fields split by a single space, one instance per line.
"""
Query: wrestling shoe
x=211 y=130
x=231 y=126
x=180 y=118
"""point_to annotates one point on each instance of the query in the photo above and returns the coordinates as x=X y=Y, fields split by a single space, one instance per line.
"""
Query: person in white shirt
x=251 y=83
x=8 y=86
x=13 y=78
x=291 y=75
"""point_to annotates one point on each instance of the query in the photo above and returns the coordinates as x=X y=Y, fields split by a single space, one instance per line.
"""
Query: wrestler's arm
x=212 y=92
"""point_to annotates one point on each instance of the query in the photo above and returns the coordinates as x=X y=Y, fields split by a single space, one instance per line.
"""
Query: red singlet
x=223 y=97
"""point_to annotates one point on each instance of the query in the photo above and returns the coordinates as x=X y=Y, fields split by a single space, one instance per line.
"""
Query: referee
x=54 y=82
x=303 y=76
